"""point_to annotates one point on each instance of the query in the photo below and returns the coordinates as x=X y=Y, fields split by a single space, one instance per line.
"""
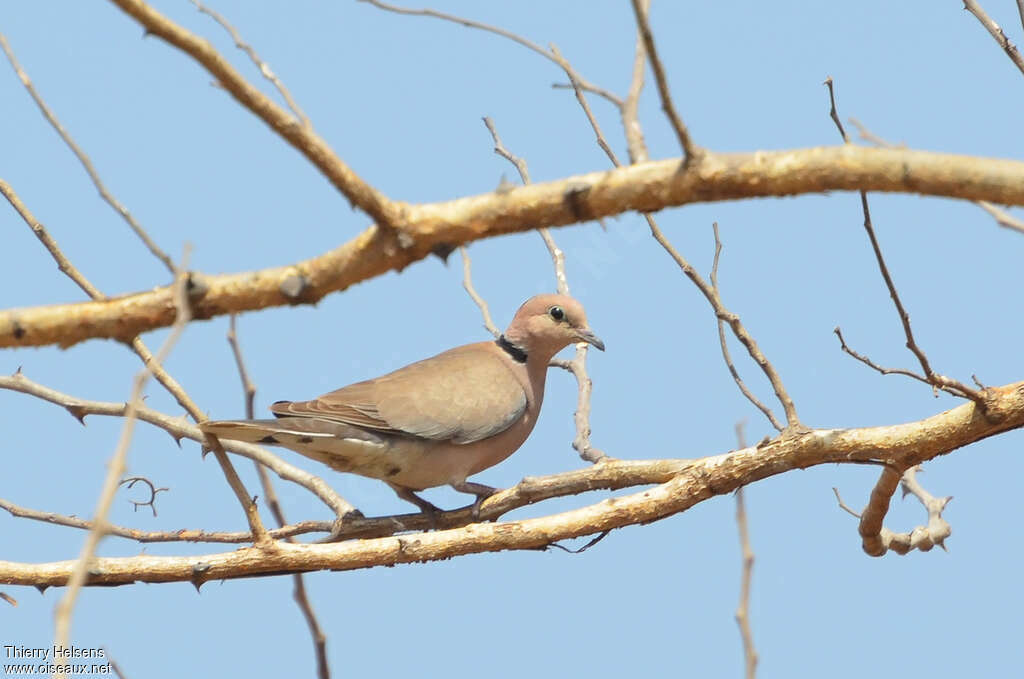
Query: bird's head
x=546 y=324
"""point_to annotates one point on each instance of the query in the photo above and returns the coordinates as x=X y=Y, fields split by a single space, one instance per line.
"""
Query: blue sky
x=400 y=99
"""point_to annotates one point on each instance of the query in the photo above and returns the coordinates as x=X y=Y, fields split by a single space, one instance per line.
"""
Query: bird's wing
x=464 y=395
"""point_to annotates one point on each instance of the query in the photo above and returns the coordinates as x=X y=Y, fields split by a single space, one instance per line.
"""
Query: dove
x=435 y=422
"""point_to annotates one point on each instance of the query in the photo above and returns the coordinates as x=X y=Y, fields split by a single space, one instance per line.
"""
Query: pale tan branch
x=1002 y=217
x=628 y=112
x=901 y=445
x=610 y=475
x=644 y=187
x=743 y=607
x=871 y=518
x=877 y=539
x=384 y=211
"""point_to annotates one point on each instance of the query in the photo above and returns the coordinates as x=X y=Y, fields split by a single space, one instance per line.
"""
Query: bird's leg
x=430 y=510
x=481 y=491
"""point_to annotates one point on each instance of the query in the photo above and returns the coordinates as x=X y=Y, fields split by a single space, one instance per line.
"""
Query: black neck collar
x=517 y=354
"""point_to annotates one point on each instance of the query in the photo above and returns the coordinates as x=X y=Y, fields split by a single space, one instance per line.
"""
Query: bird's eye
x=557 y=313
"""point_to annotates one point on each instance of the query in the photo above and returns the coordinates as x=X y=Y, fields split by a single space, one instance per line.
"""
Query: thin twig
x=872 y=138
x=996 y=32
x=499 y=148
x=871 y=364
x=627 y=107
x=743 y=608
x=738 y=329
x=529 y=44
x=114 y=666
x=581 y=98
x=153 y=490
x=179 y=428
x=116 y=467
x=263 y=67
x=628 y=112
x=567 y=550
x=936 y=380
x=63 y=264
x=709 y=292
x=274 y=504
x=725 y=348
x=145 y=536
x=84 y=160
x=578 y=365
x=833 y=113
x=153 y=366
x=248 y=388
x=1002 y=217
x=690 y=150
x=467 y=283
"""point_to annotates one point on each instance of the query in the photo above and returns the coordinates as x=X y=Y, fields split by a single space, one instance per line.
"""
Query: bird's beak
x=587 y=335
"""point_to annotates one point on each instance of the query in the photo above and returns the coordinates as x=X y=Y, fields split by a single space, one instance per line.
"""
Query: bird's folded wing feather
x=463 y=395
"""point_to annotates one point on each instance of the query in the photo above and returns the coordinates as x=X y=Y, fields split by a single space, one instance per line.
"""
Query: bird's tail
x=250 y=431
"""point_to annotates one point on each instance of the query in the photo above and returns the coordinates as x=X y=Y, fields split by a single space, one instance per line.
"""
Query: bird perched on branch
x=435 y=422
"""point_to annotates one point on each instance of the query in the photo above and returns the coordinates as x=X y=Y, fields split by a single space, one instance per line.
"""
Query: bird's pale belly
x=418 y=465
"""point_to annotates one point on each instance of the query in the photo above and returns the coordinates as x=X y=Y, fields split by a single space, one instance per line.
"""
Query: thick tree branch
x=643 y=187
x=900 y=445
x=300 y=136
